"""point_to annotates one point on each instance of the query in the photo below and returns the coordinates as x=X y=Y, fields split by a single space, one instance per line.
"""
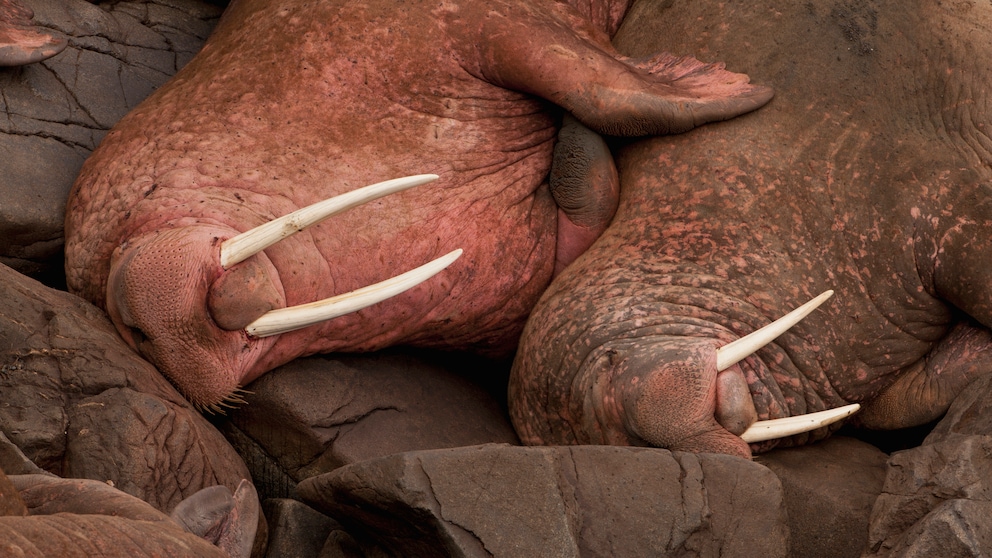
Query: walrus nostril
x=253 y=241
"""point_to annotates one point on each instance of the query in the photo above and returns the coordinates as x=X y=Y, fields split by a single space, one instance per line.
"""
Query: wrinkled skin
x=868 y=174
x=21 y=41
x=42 y=515
x=291 y=102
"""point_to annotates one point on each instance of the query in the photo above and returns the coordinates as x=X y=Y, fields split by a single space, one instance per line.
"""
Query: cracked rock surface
x=937 y=498
x=54 y=113
x=77 y=402
x=501 y=500
x=316 y=414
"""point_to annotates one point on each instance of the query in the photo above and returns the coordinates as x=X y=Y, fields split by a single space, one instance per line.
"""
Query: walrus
x=292 y=102
x=868 y=177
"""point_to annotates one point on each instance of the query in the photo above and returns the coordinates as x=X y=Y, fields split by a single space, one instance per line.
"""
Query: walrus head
x=204 y=303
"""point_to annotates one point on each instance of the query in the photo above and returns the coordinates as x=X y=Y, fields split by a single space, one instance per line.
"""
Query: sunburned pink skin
x=291 y=102
x=869 y=175
x=21 y=41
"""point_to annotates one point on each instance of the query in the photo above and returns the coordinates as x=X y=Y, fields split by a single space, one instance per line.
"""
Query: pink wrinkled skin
x=291 y=102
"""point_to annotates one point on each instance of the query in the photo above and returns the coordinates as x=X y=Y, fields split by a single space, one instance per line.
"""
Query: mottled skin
x=869 y=174
x=21 y=41
x=293 y=101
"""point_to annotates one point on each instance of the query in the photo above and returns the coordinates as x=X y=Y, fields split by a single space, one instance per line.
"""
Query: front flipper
x=545 y=49
x=925 y=392
x=586 y=187
x=21 y=42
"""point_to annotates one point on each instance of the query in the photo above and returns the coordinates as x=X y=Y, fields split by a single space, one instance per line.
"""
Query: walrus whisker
x=734 y=352
x=295 y=317
x=245 y=245
x=789 y=426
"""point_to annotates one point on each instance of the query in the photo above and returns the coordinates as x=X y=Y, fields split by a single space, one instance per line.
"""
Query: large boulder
x=316 y=414
x=500 y=500
x=937 y=498
x=829 y=489
x=78 y=402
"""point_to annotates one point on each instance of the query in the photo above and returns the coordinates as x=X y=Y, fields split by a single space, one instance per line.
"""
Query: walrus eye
x=138 y=336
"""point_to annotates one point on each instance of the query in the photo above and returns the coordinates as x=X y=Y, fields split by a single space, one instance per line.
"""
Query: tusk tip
x=765 y=430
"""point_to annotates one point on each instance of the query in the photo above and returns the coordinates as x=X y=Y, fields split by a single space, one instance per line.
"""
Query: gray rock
x=79 y=402
x=830 y=488
x=295 y=529
x=955 y=528
x=316 y=414
x=500 y=500
x=53 y=113
x=937 y=497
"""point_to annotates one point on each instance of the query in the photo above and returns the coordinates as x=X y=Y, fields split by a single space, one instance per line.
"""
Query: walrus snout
x=165 y=297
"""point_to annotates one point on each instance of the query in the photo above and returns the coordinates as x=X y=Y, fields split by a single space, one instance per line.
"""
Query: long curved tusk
x=284 y=320
x=245 y=245
x=779 y=428
x=732 y=353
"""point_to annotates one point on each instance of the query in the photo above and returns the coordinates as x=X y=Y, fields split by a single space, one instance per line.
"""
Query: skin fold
x=291 y=102
x=868 y=174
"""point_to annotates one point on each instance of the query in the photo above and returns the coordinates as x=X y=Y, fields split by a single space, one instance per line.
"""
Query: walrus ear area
x=241 y=294
x=585 y=185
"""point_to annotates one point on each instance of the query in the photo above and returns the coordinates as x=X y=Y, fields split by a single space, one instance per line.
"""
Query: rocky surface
x=77 y=402
x=53 y=113
x=316 y=414
x=829 y=490
x=497 y=500
x=937 y=497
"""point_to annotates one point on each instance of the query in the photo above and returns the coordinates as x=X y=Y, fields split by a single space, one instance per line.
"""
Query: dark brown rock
x=11 y=502
x=830 y=488
x=316 y=414
x=78 y=402
x=55 y=112
x=937 y=498
x=296 y=529
x=499 y=500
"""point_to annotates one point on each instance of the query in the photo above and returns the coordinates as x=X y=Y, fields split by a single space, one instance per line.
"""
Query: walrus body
x=869 y=175
x=293 y=101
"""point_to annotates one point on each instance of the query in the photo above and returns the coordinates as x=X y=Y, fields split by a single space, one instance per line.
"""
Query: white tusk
x=732 y=353
x=284 y=320
x=779 y=428
x=245 y=245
